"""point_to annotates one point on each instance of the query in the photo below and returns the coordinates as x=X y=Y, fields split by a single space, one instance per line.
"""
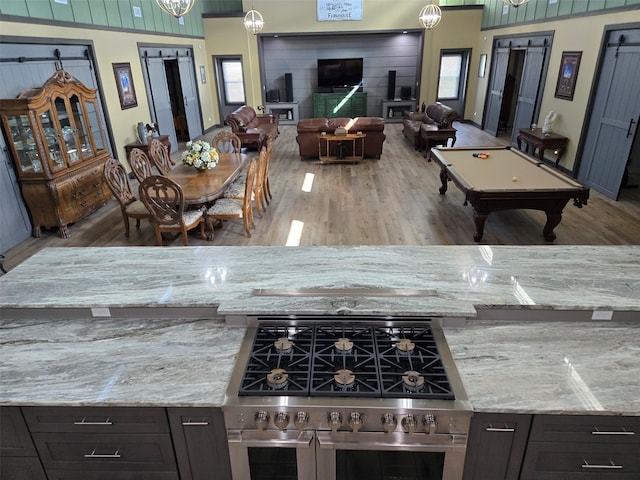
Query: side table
x=144 y=146
x=535 y=139
x=342 y=152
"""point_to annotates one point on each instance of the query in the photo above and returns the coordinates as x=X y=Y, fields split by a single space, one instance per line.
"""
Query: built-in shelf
x=287 y=112
x=392 y=110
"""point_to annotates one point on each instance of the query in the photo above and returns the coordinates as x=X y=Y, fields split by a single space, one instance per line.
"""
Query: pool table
x=508 y=179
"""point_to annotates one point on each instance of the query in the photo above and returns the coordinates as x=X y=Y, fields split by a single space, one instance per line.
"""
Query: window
x=450 y=72
x=233 y=81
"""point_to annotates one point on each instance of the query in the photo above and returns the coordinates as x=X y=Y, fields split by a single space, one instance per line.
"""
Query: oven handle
x=259 y=439
x=386 y=441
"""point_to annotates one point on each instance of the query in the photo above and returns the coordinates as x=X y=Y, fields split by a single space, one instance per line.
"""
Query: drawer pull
x=84 y=422
x=621 y=432
x=190 y=423
x=103 y=455
x=506 y=428
x=612 y=466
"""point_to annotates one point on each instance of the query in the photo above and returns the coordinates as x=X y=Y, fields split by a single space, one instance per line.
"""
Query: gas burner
x=344 y=345
x=278 y=378
x=413 y=381
x=405 y=346
x=283 y=345
x=344 y=378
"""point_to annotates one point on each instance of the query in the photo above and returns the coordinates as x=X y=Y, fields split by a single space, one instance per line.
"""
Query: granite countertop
x=455 y=280
x=515 y=367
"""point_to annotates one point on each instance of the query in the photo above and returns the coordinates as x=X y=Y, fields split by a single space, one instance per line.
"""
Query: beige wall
x=112 y=47
x=578 y=34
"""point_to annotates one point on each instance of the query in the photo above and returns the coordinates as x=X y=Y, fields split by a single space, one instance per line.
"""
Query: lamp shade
x=515 y=3
x=430 y=16
x=253 y=21
x=177 y=8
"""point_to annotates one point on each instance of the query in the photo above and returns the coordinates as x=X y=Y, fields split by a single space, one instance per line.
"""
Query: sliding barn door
x=500 y=63
x=159 y=98
x=529 y=90
x=190 y=97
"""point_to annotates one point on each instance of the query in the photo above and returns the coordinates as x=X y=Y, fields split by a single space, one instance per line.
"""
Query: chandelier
x=253 y=21
x=430 y=16
x=515 y=3
x=177 y=8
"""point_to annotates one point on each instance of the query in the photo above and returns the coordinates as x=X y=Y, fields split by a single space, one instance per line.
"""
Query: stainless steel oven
x=346 y=398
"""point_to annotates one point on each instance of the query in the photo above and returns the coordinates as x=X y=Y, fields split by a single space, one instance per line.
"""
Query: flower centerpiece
x=200 y=155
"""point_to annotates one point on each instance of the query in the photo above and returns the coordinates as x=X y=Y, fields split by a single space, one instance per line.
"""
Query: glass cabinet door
x=68 y=129
x=95 y=125
x=82 y=127
x=22 y=134
x=52 y=141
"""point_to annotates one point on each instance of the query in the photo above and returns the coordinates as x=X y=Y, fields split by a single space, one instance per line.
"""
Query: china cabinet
x=59 y=147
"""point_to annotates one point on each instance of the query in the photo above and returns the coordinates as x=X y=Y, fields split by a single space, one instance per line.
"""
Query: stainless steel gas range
x=346 y=398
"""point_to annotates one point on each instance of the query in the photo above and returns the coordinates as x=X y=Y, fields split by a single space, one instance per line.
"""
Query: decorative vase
x=202 y=169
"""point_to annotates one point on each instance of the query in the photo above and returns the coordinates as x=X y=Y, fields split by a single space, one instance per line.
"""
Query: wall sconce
x=177 y=8
x=430 y=16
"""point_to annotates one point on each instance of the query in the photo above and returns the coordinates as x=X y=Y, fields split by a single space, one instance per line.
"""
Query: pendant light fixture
x=515 y=3
x=253 y=20
x=177 y=8
x=430 y=16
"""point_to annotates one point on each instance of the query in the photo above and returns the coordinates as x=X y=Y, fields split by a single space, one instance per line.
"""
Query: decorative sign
x=336 y=10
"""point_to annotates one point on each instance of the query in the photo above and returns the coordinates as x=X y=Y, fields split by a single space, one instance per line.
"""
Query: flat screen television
x=339 y=72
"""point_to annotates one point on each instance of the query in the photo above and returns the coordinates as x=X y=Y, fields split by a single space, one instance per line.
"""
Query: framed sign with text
x=337 y=10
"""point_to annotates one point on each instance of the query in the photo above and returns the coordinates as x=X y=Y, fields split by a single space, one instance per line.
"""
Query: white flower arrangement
x=200 y=155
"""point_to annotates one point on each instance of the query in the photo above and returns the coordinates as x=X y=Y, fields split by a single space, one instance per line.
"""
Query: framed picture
x=203 y=75
x=568 y=75
x=483 y=65
x=124 y=82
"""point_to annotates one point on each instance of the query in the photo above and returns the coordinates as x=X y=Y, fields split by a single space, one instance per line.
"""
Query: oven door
x=272 y=455
x=385 y=456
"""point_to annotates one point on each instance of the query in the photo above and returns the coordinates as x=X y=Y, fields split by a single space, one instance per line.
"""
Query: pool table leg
x=553 y=219
x=479 y=218
x=444 y=178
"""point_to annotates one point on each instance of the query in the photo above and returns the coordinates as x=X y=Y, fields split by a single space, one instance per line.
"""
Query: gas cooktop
x=349 y=358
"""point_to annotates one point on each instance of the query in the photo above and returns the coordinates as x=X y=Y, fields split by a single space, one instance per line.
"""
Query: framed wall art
x=124 y=82
x=568 y=75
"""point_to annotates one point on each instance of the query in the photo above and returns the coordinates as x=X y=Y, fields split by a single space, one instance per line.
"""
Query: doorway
x=176 y=97
x=230 y=81
x=512 y=82
x=452 y=79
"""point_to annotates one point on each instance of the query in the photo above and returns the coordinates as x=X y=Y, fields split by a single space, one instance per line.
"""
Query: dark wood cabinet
x=18 y=457
x=57 y=141
x=200 y=443
x=583 y=447
x=496 y=446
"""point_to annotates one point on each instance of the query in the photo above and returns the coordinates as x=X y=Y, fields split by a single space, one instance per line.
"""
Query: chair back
x=247 y=207
x=118 y=181
x=160 y=156
x=140 y=164
x=259 y=182
x=163 y=198
x=226 y=141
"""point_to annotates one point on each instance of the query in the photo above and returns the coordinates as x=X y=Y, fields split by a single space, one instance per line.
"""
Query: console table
x=349 y=153
x=535 y=139
x=144 y=146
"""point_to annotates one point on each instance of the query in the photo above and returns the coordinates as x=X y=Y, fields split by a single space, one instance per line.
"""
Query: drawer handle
x=622 y=432
x=84 y=422
x=195 y=424
x=506 y=428
x=103 y=455
x=612 y=466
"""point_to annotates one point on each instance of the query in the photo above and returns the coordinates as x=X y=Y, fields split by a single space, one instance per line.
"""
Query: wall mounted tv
x=339 y=72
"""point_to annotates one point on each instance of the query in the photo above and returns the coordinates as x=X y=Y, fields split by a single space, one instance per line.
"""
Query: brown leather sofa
x=252 y=129
x=310 y=128
x=433 y=127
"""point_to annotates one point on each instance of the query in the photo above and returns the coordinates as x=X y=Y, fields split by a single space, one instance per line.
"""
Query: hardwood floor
x=391 y=201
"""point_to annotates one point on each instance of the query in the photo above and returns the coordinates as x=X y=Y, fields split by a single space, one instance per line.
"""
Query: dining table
x=203 y=187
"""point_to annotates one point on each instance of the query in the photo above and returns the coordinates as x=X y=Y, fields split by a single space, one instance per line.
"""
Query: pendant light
x=177 y=8
x=515 y=3
x=253 y=20
x=430 y=16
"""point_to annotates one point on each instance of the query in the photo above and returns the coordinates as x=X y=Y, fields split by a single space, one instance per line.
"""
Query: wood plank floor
x=391 y=201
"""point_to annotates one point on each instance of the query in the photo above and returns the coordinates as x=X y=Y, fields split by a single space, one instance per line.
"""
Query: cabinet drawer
x=75 y=451
x=15 y=440
x=96 y=420
x=21 y=468
x=559 y=461
x=75 y=475
x=586 y=428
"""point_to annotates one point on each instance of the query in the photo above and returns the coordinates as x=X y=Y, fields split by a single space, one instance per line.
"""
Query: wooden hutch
x=59 y=147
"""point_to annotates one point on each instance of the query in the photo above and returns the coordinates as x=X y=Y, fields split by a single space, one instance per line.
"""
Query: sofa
x=310 y=128
x=432 y=127
x=253 y=130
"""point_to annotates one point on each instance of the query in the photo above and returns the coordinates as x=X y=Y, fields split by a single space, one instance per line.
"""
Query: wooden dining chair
x=267 y=183
x=160 y=156
x=237 y=188
x=232 y=208
x=118 y=182
x=225 y=141
x=140 y=164
x=165 y=200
